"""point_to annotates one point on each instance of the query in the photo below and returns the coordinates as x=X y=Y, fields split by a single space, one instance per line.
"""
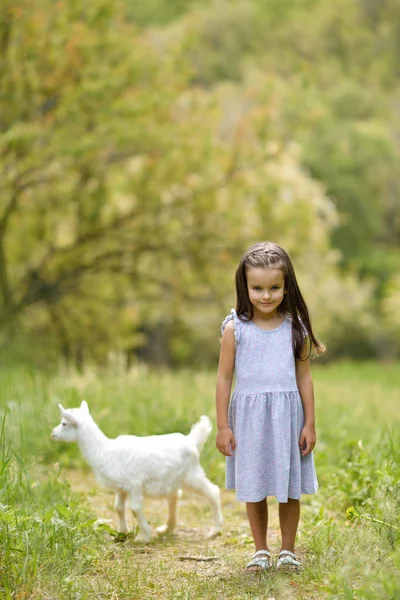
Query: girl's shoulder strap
x=232 y=317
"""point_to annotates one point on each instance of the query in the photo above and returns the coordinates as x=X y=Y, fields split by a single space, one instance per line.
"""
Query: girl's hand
x=308 y=439
x=225 y=441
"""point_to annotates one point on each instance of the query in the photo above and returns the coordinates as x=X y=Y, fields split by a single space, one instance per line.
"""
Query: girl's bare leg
x=257 y=513
x=289 y=515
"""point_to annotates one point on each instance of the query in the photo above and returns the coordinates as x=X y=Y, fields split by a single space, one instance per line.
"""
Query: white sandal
x=287 y=560
x=261 y=560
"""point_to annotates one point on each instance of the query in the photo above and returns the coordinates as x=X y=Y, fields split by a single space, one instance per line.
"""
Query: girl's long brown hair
x=268 y=254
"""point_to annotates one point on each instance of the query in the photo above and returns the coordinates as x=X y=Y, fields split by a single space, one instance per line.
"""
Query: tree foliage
x=142 y=149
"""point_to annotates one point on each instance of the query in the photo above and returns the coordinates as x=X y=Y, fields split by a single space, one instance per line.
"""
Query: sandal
x=261 y=560
x=287 y=561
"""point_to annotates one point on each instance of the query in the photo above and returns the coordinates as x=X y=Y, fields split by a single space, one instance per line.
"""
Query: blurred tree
x=157 y=12
x=339 y=95
x=69 y=117
x=136 y=164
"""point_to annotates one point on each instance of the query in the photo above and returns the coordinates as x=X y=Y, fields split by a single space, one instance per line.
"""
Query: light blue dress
x=266 y=416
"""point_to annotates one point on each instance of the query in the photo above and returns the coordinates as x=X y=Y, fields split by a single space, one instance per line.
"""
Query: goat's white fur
x=157 y=465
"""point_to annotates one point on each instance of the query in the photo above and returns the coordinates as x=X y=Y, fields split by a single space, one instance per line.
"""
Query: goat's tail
x=200 y=431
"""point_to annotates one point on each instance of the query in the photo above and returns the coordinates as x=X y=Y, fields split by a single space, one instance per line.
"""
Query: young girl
x=267 y=430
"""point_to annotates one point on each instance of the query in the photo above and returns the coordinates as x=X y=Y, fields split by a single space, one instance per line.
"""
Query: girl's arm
x=308 y=436
x=225 y=439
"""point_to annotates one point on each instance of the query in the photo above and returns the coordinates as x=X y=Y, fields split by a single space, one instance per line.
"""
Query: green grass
x=50 y=548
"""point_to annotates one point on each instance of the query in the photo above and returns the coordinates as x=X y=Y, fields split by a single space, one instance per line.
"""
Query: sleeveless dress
x=266 y=416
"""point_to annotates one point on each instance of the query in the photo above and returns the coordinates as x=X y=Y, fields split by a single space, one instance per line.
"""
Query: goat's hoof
x=163 y=528
x=214 y=531
x=142 y=537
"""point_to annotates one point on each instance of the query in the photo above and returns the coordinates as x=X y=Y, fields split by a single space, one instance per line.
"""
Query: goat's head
x=71 y=419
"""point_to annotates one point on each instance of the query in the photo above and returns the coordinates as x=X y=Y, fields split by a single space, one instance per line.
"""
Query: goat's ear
x=84 y=407
x=67 y=416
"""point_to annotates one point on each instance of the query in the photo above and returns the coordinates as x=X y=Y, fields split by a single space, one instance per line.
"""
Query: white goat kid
x=157 y=465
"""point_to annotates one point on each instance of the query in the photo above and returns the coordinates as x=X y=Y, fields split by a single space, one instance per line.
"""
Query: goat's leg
x=136 y=504
x=119 y=506
x=197 y=481
x=170 y=524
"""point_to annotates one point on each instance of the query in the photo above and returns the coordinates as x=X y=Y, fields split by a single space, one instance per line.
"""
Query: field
x=53 y=547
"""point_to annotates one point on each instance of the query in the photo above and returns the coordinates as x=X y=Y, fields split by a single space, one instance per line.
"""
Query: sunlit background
x=145 y=144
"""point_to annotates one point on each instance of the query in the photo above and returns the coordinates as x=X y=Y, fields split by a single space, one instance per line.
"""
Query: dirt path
x=172 y=555
x=194 y=518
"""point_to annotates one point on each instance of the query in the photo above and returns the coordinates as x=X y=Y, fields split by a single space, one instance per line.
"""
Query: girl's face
x=266 y=289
